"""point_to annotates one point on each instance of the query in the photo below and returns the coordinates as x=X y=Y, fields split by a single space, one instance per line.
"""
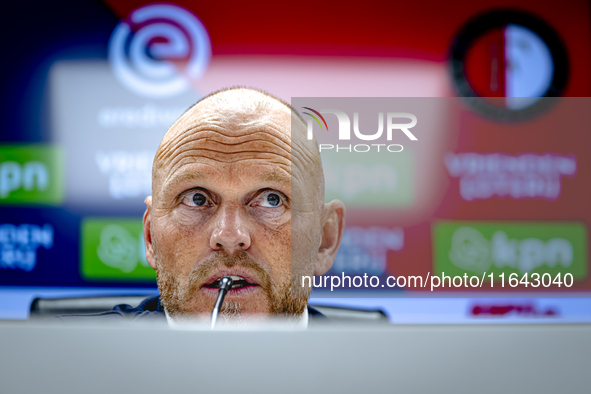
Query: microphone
x=224 y=286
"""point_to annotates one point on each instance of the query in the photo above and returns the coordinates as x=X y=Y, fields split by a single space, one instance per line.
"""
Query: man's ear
x=148 y=233
x=333 y=223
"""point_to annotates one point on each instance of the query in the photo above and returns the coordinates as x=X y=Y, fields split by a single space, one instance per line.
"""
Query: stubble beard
x=175 y=297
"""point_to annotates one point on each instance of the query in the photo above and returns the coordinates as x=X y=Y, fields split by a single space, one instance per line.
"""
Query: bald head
x=237 y=124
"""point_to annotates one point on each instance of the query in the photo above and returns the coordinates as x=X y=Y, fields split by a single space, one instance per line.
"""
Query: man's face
x=223 y=206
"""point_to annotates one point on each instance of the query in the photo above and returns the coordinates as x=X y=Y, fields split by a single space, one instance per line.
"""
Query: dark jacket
x=149 y=309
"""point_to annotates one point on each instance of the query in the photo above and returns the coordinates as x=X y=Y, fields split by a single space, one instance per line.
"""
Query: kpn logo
x=31 y=174
x=372 y=180
x=511 y=247
x=113 y=249
x=359 y=168
x=396 y=122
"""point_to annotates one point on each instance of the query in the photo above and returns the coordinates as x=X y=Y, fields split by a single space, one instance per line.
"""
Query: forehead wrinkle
x=229 y=152
x=305 y=151
x=221 y=135
x=174 y=177
x=210 y=148
x=219 y=112
x=307 y=162
x=306 y=159
x=269 y=158
x=228 y=133
x=205 y=140
x=191 y=158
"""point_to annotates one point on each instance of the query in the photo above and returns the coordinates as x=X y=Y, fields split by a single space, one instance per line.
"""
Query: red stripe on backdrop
x=485 y=64
x=417 y=30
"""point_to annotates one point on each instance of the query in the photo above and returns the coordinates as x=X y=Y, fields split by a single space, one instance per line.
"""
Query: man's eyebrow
x=277 y=177
x=180 y=177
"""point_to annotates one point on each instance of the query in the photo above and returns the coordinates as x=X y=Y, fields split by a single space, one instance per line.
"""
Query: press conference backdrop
x=90 y=87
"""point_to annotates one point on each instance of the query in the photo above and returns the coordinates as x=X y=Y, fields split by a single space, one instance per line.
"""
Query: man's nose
x=230 y=230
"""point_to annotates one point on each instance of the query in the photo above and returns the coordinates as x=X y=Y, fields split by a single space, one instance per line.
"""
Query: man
x=237 y=190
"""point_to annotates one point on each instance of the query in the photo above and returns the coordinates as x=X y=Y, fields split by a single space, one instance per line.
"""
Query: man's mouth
x=238 y=282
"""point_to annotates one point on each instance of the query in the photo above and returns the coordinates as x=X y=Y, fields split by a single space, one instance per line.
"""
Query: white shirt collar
x=300 y=323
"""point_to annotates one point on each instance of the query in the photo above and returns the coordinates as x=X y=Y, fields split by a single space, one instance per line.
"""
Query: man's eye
x=270 y=200
x=196 y=199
